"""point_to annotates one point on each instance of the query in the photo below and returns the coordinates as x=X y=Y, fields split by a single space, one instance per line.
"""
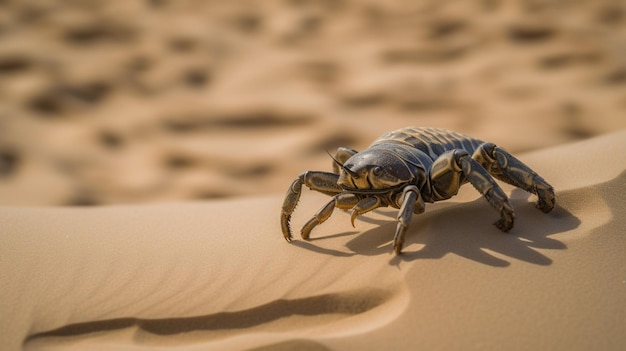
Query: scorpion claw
x=284 y=222
x=291 y=200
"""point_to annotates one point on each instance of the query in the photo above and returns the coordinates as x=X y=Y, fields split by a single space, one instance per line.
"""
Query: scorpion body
x=410 y=166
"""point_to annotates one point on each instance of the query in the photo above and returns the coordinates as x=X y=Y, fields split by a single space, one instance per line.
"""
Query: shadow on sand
x=464 y=229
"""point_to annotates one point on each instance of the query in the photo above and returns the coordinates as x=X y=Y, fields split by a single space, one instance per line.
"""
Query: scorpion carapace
x=410 y=166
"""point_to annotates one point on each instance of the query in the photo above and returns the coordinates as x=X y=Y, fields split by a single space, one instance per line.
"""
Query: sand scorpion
x=410 y=166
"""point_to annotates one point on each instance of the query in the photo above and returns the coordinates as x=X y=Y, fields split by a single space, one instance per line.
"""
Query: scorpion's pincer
x=291 y=200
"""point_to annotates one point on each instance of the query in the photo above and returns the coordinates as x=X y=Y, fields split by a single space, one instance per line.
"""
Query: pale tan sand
x=218 y=275
x=120 y=102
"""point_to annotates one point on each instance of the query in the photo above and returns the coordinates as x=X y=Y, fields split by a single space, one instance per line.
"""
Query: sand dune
x=145 y=147
x=218 y=274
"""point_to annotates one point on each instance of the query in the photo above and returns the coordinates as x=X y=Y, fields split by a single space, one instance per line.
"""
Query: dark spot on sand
x=97 y=32
x=446 y=28
x=211 y=194
x=573 y=128
x=178 y=162
x=530 y=34
x=182 y=44
x=248 y=23
x=616 y=76
x=438 y=54
x=9 y=162
x=140 y=63
x=110 y=140
x=196 y=78
x=89 y=92
x=48 y=103
x=253 y=171
x=14 y=64
x=83 y=198
x=612 y=14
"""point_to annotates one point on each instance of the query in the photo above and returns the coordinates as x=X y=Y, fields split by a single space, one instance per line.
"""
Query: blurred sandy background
x=105 y=102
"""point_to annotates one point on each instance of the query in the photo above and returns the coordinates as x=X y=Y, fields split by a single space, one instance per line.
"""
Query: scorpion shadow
x=443 y=229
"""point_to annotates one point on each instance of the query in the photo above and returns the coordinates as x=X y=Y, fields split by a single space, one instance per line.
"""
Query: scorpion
x=410 y=166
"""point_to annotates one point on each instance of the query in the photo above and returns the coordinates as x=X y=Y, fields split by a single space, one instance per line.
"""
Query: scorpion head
x=374 y=171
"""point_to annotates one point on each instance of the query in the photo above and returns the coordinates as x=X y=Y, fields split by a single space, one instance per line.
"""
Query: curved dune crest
x=219 y=275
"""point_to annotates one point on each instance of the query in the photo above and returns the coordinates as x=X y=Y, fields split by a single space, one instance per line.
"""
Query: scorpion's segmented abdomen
x=431 y=141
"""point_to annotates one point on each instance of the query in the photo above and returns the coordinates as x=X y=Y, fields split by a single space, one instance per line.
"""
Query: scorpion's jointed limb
x=411 y=202
x=507 y=168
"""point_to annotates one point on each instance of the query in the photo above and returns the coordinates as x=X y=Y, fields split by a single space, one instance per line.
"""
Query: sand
x=218 y=274
x=146 y=146
x=105 y=103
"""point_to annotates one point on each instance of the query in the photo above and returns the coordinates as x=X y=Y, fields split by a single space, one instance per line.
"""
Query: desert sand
x=151 y=101
x=146 y=146
x=218 y=274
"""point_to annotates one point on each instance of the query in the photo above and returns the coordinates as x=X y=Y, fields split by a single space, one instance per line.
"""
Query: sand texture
x=218 y=275
x=146 y=146
x=109 y=102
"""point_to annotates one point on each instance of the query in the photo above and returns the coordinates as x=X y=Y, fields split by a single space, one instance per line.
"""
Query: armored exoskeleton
x=410 y=166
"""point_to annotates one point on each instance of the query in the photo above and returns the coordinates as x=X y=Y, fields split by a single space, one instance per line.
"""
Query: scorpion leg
x=365 y=205
x=509 y=169
x=342 y=155
x=446 y=178
x=323 y=182
x=344 y=201
x=412 y=202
